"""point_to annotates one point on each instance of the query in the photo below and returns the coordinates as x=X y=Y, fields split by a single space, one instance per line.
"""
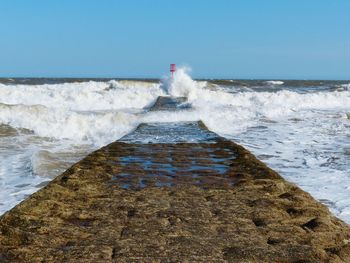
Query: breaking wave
x=94 y=127
x=346 y=86
x=295 y=130
x=274 y=82
x=231 y=113
x=85 y=96
x=100 y=112
x=90 y=112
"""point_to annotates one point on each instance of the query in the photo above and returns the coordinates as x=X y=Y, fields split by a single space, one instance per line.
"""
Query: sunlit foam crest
x=85 y=96
x=181 y=84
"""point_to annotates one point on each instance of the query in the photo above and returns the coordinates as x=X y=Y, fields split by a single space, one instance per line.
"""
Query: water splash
x=181 y=84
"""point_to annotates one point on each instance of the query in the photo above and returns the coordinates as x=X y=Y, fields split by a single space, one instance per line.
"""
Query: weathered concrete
x=187 y=202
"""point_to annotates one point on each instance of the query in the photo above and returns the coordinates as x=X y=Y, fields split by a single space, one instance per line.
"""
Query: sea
x=300 y=128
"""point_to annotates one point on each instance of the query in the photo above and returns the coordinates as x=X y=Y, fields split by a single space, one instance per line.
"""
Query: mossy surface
x=248 y=213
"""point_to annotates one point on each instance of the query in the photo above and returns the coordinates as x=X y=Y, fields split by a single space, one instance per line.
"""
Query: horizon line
x=160 y=78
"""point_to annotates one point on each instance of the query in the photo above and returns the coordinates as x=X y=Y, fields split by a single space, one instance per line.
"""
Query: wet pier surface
x=172 y=193
x=170 y=165
x=203 y=162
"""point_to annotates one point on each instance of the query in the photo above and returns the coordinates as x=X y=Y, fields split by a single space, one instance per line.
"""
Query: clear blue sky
x=308 y=39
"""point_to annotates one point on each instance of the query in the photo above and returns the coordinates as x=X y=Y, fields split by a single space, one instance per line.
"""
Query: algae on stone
x=248 y=213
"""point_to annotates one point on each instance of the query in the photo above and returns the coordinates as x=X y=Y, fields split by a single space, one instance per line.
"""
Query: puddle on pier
x=169 y=154
x=143 y=165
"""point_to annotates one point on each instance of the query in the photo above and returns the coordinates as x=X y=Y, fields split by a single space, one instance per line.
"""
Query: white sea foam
x=274 y=82
x=88 y=127
x=98 y=112
x=59 y=124
x=303 y=135
x=346 y=86
x=85 y=96
x=229 y=113
x=182 y=85
x=90 y=112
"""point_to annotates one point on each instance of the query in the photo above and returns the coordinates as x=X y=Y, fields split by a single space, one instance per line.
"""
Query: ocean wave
x=181 y=84
x=100 y=112
x=230 y=113
x=273 y=82
x=300 y=131
x=84 y=127
x=346 y=86
x=86 y=96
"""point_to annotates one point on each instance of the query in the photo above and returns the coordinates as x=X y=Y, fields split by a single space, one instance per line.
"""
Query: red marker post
x=172 y=69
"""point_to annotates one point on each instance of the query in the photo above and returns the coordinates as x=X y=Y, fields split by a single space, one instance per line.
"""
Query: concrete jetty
x=199 y=198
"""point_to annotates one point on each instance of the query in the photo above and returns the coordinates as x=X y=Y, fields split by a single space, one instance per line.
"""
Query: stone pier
x=203 y=200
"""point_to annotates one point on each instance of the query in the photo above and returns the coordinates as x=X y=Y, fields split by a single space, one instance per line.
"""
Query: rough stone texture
x=247 y=213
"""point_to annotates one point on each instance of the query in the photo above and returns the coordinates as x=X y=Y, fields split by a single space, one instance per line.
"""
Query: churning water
x=298 y=128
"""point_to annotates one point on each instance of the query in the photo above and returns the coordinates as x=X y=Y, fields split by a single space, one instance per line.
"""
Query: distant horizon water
x=161 y=77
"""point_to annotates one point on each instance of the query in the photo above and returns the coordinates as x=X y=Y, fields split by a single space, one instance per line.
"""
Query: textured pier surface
x=195 y=197
x=205 y=201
